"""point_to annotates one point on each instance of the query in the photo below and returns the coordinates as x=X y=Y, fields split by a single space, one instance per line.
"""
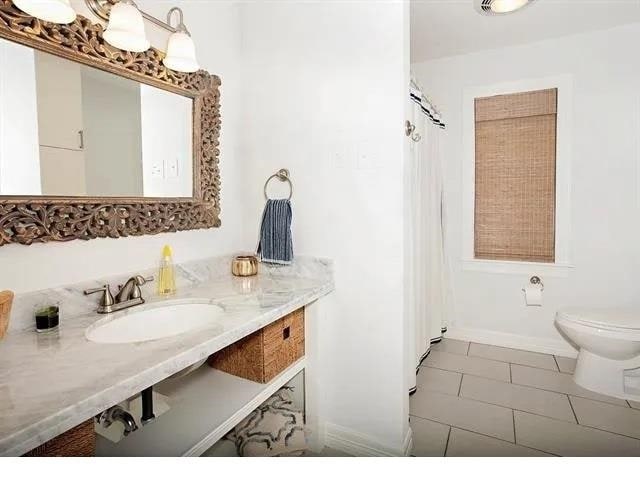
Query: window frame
x=561 y=266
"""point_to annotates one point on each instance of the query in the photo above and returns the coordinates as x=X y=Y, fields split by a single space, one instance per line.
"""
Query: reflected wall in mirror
x=68 y=129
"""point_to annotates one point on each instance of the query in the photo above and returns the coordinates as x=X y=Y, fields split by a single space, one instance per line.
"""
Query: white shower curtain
x=427 y=264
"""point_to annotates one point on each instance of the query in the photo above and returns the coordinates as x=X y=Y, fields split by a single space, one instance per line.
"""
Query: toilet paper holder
x=535 y=280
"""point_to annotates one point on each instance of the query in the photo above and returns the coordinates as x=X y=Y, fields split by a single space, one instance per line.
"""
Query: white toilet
x=609 y=342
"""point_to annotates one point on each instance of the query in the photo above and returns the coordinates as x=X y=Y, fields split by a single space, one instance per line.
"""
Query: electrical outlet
x=157 y=171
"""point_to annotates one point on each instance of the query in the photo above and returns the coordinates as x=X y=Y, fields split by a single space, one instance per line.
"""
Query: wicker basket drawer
x=264 y=354
x=80 y=441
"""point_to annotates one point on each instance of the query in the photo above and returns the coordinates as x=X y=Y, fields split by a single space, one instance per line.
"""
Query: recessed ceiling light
x=499 y=7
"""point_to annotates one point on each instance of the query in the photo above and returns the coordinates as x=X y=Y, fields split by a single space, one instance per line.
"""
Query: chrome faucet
x=128 y=295
x=117 y=414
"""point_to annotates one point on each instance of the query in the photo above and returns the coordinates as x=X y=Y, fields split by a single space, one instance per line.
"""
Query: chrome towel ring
x=283 y=176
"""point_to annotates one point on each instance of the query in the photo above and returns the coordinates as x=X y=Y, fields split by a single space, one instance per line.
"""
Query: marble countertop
x=51 y=382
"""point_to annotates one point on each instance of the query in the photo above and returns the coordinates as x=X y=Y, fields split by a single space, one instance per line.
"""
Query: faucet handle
x=140 y=280
x=107 y=299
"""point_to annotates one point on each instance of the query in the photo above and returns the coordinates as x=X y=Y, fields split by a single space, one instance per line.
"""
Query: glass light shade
x=56 y=11
x=506 y=6
x=126 y=28
x=181 y=53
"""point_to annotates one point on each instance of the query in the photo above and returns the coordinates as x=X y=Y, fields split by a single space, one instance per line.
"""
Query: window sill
x=560 y=270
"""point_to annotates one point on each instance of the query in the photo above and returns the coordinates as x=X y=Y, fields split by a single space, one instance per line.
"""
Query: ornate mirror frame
x=27 y=220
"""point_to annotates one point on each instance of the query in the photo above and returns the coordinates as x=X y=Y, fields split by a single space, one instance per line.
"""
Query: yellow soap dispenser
x=166 y=275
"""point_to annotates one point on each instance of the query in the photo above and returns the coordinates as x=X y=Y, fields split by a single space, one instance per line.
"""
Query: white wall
x=215 y=28
x=326 y=84
x=19 y=157
x=604 y=210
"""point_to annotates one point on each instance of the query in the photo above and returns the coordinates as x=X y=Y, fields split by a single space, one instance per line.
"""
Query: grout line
x=460 y=386
x=493 y=405
x=519 y=364
x=557 y=364
x=513 y=418
x=510 y=375
x=451 y=427
x=573 y=394
x=446 y=447
x=573 y=410
x=468 y=348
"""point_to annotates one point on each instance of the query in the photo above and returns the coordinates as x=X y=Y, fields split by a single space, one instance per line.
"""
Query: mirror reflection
x=67 y=129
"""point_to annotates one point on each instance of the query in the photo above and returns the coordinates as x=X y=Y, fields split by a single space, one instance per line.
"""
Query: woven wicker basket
x=6 y=300
x=80 y=441
x=264 y=354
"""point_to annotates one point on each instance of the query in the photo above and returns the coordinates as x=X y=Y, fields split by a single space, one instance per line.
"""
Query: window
x=515 y=176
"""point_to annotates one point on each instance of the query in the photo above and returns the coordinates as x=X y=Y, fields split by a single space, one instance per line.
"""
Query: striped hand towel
x=276 y=245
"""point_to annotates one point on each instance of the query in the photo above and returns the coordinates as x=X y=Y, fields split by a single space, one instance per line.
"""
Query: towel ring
x=283 y=176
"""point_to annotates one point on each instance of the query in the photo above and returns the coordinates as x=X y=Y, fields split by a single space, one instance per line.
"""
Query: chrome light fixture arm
x=181 y=26
x=101 y=9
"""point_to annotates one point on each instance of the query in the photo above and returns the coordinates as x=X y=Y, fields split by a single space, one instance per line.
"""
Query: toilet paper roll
x=533 y=295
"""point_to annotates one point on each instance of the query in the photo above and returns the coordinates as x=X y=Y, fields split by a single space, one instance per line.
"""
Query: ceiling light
x=181 y=51
x=126 y=28
x=498 y=7
x=56 y=11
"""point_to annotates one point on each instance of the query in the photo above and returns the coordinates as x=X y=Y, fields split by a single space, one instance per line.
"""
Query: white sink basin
x=154 y=323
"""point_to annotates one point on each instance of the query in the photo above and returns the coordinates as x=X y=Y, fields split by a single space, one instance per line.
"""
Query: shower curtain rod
x=433 y=106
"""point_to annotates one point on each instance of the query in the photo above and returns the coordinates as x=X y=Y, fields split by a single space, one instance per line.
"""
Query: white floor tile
x=469 y=444
x=468 y=414
x=452 y=346
x=625 y=421
x=566 y=364
x=510 y=355
x=556 y=382
x=518 y=397
x=435 y=380
x=635 y=405
x=473 y=366
x=569 y=439
x=429 y=438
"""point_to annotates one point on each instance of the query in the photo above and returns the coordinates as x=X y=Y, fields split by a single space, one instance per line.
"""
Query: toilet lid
x=628 y=319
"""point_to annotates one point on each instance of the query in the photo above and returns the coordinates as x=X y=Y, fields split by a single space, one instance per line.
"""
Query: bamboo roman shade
x=515 y=176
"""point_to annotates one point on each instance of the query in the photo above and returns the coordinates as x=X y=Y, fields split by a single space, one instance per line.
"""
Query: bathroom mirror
x=73 y=130
x=100 y=142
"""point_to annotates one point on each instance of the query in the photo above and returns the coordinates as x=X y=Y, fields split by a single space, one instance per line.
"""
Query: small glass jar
x=47 y=317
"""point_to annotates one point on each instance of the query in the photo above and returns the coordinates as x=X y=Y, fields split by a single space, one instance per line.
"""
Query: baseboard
x=520 y=342
x=360 y=445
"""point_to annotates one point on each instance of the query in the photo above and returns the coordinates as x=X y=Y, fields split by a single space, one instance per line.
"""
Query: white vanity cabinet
x=208 y=403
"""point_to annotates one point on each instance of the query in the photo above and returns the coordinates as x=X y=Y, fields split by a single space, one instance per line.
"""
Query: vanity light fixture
x=56 y=11
x=126 y=20
x=181 y=51
x=126 y=28
x=500 y=7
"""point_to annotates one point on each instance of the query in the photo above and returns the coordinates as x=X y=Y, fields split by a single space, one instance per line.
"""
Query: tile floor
x=482 y=400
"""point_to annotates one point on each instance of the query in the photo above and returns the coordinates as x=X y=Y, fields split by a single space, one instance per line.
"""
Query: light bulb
x=181 y=53
x=126 y=28
x=56 y=11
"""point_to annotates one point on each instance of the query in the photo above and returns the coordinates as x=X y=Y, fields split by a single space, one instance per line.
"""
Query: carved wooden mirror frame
x=27 y=220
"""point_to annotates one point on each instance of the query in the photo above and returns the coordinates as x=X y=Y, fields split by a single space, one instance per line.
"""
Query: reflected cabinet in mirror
x=100 y=142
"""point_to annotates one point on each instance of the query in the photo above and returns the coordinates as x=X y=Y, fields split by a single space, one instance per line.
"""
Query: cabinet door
x=62 y=172
x=59 y=91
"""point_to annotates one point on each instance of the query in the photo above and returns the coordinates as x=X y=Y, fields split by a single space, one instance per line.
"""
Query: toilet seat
x=614 y=320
